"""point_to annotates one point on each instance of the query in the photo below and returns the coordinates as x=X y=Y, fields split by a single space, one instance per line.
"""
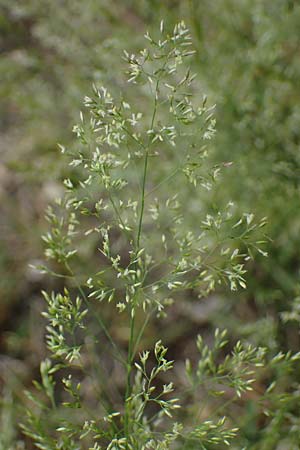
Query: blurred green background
x=248 y=63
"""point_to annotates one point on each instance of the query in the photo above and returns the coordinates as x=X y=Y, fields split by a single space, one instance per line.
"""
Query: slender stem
x=143 y=199
x=169 y=177
x=141 y=332
x=133 y=137
x=146 y=166
x=130 y=355
x=165 y=180
x=117 y=212
x=132 y=344
x=99 y=320
x=129 y=369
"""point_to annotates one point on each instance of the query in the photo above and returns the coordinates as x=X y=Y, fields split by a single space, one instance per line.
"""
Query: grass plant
x=149 y=259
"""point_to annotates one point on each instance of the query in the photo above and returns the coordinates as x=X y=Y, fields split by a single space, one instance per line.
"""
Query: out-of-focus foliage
x=249 y=55
x=52 y=52
x=249 y=58
x=248 y=61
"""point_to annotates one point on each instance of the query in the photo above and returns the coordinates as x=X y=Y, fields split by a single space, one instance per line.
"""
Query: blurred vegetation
x=248 y=62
